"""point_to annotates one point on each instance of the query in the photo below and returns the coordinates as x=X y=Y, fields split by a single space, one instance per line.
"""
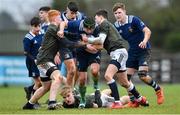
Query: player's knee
x=94 y=72
x=142 y=74
x=125 y=85
x=72 y=70
x=46 y=87
x=107 y=77
x=82 y=81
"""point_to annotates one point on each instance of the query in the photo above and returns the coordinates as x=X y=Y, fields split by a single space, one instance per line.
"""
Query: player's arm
x=72 y=35
x=147 y=34
x=63 y=25
x=57 y=59
x=96 y=40
x=27 y=46
x=70 y=44
x=98 y=46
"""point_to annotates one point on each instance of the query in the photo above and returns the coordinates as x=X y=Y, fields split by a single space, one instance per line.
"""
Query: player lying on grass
x=95 y=100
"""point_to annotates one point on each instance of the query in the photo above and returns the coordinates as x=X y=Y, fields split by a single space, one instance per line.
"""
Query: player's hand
x=60 y=33
x=91 y=49
x=142 y=45
x=98 y=46
x=57 y=60
x=84 y=38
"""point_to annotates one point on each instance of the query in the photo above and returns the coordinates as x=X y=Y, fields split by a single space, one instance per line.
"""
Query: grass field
x=13 y=98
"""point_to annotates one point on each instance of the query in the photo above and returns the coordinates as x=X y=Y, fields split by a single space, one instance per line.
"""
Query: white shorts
x=106 y=100
x=121 y=56
x=43 y=68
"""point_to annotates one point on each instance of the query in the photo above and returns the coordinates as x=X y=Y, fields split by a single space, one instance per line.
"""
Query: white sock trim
x=110 y=82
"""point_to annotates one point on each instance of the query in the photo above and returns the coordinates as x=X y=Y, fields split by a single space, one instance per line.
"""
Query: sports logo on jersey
x=145 y=63
x=130 y=29
x=35 y=42
x=67 y=56
x=120 y=31
x=98 y=57
x=142 y=23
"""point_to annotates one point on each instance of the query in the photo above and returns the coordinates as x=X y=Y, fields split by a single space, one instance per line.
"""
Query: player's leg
x=66 y=55
x=37 y=95
x=82 y=61
x=109 y=74
x=146 y=78
x=71 y=71
x=130 y=73
x=140 y=100
x=46 y=83
x=36 y=78
x=28 y=89
x=57 y=79
x=82 y=88
x=95 y=68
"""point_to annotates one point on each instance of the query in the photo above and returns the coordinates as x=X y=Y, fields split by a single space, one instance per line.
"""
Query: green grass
x=13 y=98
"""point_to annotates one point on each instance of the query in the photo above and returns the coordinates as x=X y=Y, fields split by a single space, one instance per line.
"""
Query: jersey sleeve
x=138 y=23
x=104 y=28
x=27 y=44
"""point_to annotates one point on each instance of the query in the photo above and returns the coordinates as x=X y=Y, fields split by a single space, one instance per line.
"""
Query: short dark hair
x=89 y=22
x=35 y=21
x=72 y=6
x=103 y=13
x=45 y=8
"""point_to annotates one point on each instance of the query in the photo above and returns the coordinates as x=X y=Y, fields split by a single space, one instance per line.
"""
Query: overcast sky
x=20 y=10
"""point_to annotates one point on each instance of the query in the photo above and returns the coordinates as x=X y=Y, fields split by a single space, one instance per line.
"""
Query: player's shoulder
x=105 y=23
x=80 y=16
x=132 y=18
x=29 y=36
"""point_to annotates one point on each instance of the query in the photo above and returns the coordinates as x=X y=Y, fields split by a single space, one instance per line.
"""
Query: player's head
x=43 y=13
x=119 y=11
x=53 y=16
x=67 y=94
x=35 y=25
x=72 y=9
x=89 y=25
x=101 y=15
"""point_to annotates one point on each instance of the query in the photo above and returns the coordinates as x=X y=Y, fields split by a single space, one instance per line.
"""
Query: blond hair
x=118 y=5
x=52 y=14
x=65 y=90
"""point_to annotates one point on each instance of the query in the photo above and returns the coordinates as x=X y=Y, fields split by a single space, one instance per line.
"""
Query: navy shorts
x=32 y=68
x=84 y=59
x=138 y=59
x=65 y=54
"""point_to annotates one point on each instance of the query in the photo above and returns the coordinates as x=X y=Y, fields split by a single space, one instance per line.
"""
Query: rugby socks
x=113 y=86
x=131 y=96
x=82 y=90
x=51 y=102
x=132 y=90
x=154 y=85
x=95 y=80
x=30 y=88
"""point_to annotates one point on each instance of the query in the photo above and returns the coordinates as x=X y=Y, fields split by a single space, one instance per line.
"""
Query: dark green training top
x=90 y=99
x=113 y=40
x=49 y=46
